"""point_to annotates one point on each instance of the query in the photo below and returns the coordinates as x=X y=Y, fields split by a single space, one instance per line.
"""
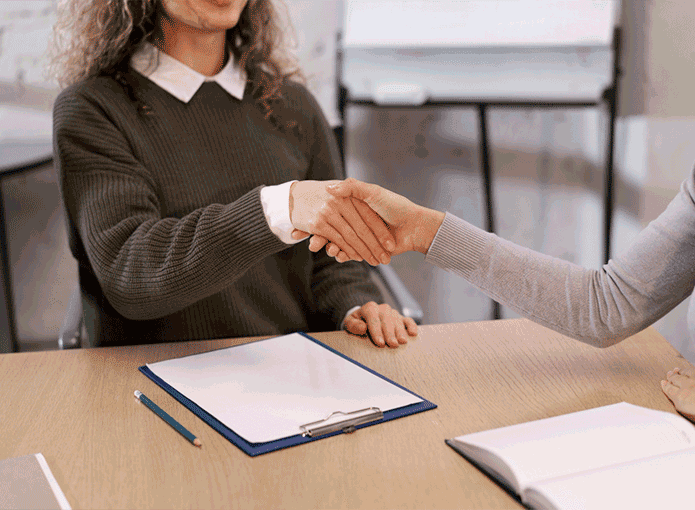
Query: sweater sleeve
x=147 y=265
x=336 y=287
x=599 y=307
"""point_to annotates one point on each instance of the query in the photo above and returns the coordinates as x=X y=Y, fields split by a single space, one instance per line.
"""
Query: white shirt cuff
x=342 y=324
x=276 y=207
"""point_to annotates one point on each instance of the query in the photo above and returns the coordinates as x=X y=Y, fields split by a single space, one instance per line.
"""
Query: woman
x=186 y=157
x=599 y=307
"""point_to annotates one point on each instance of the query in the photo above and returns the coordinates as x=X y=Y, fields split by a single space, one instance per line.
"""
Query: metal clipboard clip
x=339 y=420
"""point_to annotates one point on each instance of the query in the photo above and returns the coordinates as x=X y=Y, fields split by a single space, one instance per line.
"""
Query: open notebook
x=615 y=456
x=282 y=391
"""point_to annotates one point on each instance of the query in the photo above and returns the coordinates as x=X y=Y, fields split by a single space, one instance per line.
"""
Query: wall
x=658 y=108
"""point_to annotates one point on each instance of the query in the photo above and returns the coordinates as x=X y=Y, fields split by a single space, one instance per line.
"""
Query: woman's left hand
x=383 y=324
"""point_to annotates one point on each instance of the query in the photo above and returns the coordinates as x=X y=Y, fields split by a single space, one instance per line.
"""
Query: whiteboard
x=413 y=51
x=471 y=23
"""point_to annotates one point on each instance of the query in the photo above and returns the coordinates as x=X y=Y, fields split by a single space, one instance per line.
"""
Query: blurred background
x=547 y=164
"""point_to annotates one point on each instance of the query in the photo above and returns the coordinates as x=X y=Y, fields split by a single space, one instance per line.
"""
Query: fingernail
x=385 y=259
x=390 y=246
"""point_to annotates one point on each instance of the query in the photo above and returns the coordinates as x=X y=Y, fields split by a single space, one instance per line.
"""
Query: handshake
x=355 y=220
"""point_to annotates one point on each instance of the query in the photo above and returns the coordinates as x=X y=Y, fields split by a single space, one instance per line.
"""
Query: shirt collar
x=181 y=81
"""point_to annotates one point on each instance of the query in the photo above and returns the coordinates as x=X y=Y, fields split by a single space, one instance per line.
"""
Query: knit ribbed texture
x=468 y=240
x=167 y=224
x=598 y=306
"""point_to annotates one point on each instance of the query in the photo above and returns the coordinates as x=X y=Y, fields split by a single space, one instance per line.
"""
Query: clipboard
x=273 y=382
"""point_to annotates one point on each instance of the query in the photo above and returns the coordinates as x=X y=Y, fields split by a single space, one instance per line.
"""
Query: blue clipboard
x=254 y=449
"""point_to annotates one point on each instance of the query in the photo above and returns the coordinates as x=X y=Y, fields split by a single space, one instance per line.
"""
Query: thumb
x=299 y=234
x=339 y=189
x=350 y=187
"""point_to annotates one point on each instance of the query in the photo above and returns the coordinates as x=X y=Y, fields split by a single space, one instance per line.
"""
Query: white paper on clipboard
x=266 y=390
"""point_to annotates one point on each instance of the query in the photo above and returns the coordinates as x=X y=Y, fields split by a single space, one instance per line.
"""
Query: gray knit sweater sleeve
x=600 y=307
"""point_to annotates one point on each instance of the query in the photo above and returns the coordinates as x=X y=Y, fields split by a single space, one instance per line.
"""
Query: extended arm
x=599 y=307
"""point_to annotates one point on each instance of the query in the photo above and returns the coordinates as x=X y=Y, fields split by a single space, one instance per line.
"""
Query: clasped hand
x=313 y=210
x=411 y=226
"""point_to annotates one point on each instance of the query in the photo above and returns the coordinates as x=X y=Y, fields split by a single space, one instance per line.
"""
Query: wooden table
x=106 y=450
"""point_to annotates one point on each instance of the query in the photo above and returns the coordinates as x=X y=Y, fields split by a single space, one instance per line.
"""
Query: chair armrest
x=405 y=302
x=71 y=331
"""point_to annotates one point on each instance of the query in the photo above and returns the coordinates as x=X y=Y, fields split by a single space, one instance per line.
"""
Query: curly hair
x=97 y=37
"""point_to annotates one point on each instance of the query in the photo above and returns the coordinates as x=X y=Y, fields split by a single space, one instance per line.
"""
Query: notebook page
x=585 y=440
x=266 y=390
x=658 y=482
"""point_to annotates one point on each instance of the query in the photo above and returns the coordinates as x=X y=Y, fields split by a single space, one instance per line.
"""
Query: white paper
x=266 y=390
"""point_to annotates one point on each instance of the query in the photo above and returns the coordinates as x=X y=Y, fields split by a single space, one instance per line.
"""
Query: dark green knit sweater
x=163 y=207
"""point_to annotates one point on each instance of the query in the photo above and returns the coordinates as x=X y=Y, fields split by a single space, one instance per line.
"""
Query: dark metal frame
x=609 y=97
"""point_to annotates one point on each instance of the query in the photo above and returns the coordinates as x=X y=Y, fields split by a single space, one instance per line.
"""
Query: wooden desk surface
x=106 y=450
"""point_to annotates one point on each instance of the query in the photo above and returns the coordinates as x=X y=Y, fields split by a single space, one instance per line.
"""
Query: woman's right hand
x=412 y=226
x=679 y=387
x=360 y=236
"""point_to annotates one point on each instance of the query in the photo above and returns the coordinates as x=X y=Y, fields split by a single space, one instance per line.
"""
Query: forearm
x=429 y=222
x=149 y=266
x=600 y=307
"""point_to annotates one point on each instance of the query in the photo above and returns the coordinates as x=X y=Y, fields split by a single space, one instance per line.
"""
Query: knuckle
x=323 y=214
x=331 y=204
x=371 y=305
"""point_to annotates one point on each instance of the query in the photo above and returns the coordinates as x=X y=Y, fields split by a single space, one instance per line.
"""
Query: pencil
x=164 y=416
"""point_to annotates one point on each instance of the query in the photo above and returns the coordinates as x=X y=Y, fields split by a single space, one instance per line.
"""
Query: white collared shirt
x=182 y=82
